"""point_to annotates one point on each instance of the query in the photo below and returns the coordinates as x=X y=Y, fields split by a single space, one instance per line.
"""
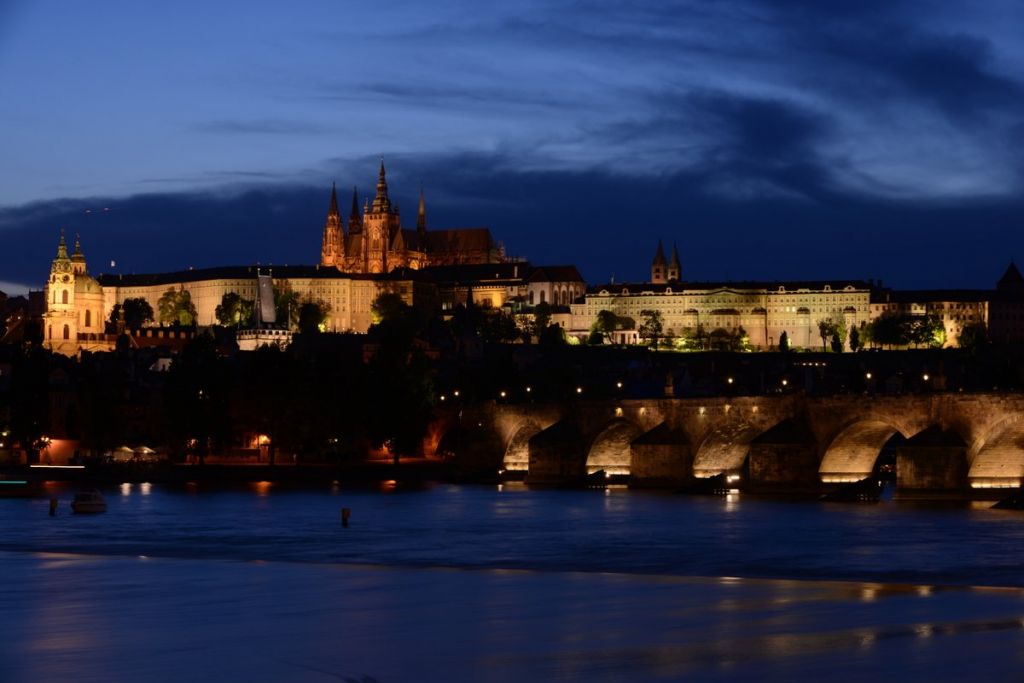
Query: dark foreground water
x=483 y=584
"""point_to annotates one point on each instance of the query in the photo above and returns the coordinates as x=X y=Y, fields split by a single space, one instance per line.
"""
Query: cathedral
x=374 y=241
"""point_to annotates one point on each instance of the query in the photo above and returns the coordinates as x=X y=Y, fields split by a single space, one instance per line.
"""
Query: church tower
x=658 y=266
x=74 y=303
x=379 y=225
x=673 y=266
x=332 y=253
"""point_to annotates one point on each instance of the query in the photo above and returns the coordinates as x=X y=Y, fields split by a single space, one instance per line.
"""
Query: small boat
x=89 y=502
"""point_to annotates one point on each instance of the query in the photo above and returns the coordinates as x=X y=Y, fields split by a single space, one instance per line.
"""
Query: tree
x=652 y=325
x=825 y=330
x=541 y=317
x=176 y=307
x=595 y=339
x=137 y=312
x=783 y=342
x=553 y=335
x=388 y=306
x=837 y=343
x=605 y=323
x=286 y=304
x=854 y=339
x=972 y=337
x=312 y=316
x=234 y=311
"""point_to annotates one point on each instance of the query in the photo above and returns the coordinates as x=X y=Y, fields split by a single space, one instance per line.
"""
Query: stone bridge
x=940 y=441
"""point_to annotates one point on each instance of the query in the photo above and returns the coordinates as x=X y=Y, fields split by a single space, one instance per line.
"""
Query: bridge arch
x=997 y=460
x=517 y=453
x=610 y=449
x=852 y=454
x=724 y=450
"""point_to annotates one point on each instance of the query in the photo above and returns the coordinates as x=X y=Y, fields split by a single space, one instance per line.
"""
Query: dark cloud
x=605 y=222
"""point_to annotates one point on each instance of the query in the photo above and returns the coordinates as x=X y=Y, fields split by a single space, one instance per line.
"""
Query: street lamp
x=579 y=390
x=502 y=393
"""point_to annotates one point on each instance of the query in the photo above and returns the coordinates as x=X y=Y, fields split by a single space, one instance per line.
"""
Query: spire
x=381 y=203
x=77 y=255
x=659 y=256
x=333 y=210
x=62 y=246
x=658 y=271
x=421 y=215
x=355 y=220
x=674 y=267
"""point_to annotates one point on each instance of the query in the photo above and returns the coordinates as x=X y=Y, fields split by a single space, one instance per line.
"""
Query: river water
x=468 y=583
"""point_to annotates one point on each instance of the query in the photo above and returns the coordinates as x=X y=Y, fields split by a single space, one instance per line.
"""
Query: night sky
x=771 y=140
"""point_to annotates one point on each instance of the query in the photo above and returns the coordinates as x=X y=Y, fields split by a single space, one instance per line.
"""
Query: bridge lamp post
x=867 y=375
x=618 y=385
x=579 y=390
x=502 y=393
x=925 y=377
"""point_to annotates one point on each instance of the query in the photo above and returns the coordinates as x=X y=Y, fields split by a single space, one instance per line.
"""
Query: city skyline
x=806 y=142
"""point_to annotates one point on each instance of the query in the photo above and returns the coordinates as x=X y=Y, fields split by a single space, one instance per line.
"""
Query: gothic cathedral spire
x=355 y=220
x=381 y=202
x=421 y=218
x=332 y=251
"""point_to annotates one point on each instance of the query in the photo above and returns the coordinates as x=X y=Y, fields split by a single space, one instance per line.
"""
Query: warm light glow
x=528 y=389
x=58 y=467
x=145 y=487
x=442 y=397
x=618 y=412
x=126 y=489
x=867 y=375
x=502 y=394
x=455 y=393
x=579 y=390
x=732 y=478
x=262 y=488
x=618 y=385
x=729 y=380
x=925 y=377
x=785 y=382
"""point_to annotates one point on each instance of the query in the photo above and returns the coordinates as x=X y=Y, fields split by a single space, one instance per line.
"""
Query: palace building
x=375 y=241
x=762 y=310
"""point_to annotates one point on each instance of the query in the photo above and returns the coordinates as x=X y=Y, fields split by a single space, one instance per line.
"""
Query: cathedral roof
x=459 y=239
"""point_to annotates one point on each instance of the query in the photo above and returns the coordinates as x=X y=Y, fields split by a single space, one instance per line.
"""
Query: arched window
x=51 y=326
x=67 y=330
x=542 y=295
x=88 y=318
x=531 y=297
x=64 y=297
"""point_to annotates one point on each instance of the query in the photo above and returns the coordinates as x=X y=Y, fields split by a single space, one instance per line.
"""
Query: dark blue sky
x=785 y=139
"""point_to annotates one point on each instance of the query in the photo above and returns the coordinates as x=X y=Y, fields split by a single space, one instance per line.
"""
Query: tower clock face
x=66 y=278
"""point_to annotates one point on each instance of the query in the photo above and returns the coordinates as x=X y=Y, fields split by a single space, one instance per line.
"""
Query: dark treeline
x=336 y=397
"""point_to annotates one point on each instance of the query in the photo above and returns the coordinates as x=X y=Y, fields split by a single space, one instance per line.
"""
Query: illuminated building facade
x=374 y=241
x=75 y=308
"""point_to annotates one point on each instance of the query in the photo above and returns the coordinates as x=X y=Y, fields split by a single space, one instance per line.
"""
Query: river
x=467 y=583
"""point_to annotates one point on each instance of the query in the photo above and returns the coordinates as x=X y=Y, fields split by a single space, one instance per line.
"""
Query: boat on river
x=89 y=502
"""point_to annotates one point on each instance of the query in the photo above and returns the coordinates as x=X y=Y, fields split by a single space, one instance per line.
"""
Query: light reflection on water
x=615 y=529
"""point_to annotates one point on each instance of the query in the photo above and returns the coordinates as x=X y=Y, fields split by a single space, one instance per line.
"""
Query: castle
x=376 y=242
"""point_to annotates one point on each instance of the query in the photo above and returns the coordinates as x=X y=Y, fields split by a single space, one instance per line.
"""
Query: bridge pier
x=933 y=461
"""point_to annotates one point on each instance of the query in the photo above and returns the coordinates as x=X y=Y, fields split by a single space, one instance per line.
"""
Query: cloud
x=606 y=222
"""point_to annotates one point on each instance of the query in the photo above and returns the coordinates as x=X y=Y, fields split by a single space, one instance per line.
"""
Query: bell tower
x=61 y=321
